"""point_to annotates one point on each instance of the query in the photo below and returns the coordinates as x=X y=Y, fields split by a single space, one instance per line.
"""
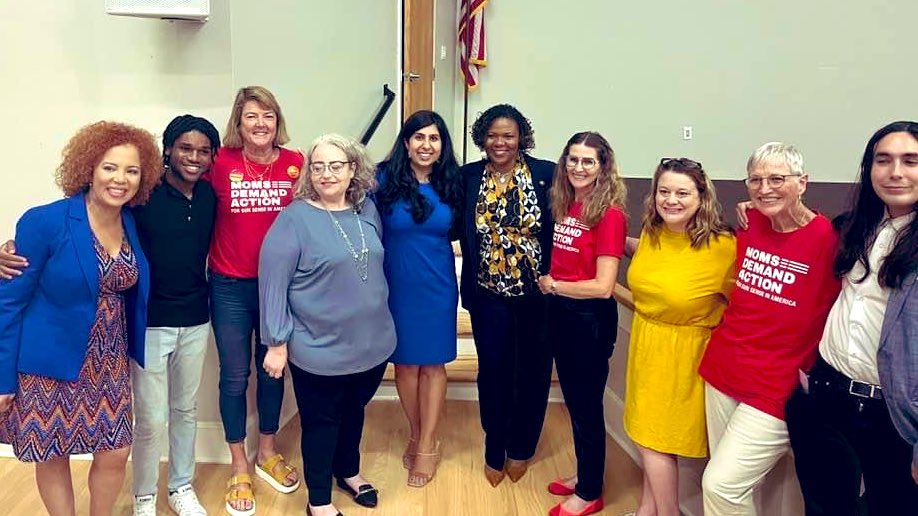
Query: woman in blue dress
x=419 y=197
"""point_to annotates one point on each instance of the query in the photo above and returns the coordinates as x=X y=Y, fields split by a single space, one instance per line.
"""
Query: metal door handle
x=412 y=76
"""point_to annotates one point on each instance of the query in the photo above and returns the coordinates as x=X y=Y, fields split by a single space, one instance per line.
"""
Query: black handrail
x=390 y=97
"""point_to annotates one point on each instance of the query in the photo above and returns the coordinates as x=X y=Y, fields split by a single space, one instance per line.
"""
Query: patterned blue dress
x=53 y=418
x=423 y=293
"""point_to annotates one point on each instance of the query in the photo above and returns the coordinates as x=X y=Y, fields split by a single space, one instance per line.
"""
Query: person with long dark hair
x=840 y=428
x=506 y=245
x=419 y=199
x=587 y=200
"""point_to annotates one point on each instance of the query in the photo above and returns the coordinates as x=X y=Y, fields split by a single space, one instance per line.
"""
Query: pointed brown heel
x=494 y=476
x=516 y=469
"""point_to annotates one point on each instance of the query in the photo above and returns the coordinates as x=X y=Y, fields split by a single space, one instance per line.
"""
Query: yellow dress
x=679 y=296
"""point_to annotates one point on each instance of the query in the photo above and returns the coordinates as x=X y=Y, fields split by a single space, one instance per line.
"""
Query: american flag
x=471 y=40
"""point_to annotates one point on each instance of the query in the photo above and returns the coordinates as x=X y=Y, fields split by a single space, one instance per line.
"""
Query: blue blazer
x=897 y=360
x=47 y=313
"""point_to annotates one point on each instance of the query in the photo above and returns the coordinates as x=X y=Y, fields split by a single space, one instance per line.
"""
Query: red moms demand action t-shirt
x=576 y=246
x=777 y=310
x=247 y=204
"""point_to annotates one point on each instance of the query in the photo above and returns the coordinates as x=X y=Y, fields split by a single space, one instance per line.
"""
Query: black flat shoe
x=365 y=495
x=309 y=511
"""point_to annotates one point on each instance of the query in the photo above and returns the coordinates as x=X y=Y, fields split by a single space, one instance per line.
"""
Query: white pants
x=745 y=444
x=166 y=391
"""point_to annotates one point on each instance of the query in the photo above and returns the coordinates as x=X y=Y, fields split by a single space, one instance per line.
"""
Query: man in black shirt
x=175 y=228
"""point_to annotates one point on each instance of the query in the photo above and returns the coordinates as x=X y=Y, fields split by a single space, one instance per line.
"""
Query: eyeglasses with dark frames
x=317 y=168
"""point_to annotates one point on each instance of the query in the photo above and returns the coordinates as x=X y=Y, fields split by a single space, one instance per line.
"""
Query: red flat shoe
x=591 y=508
x=557 y=488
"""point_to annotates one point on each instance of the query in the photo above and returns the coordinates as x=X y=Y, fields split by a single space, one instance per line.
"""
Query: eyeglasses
x=774 y=181
x=587 y=163
x=681 y=163
x=335 y=167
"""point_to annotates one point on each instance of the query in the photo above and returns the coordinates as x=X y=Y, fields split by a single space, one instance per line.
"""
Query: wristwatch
x=554 y=287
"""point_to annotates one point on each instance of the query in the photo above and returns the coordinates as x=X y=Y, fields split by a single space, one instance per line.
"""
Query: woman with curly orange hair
x=69 y=323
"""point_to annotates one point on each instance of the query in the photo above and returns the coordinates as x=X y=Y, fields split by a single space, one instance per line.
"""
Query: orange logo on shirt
x=235 y=176
x=293 y=171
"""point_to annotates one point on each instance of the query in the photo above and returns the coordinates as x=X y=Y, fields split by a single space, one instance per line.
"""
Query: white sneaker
x=185 y=503
x=145 y=505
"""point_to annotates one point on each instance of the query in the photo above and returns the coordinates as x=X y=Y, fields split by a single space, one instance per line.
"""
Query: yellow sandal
x=275 y=471
x=239 y=488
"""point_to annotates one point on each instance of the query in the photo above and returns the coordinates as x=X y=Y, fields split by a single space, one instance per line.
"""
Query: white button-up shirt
x=852 y=333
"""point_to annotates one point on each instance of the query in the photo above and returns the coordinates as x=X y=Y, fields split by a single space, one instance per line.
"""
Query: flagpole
x=465 y=82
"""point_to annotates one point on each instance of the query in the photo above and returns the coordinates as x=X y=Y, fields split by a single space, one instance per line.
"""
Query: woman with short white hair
x=784 y=289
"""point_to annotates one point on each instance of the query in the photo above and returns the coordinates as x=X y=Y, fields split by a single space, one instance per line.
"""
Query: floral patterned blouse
x=508 y=224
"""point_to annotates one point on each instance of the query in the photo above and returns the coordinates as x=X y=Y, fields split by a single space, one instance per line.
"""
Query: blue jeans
x=234 y=316
x=166 y=392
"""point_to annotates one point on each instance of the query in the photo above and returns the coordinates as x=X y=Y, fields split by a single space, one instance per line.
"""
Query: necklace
x=502 y=178
x=250 y=169
x=361 y=258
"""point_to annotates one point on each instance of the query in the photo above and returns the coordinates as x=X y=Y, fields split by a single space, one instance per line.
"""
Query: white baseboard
x=614 y=410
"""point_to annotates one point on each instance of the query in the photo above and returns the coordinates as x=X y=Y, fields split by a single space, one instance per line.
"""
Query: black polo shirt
x=175 y=235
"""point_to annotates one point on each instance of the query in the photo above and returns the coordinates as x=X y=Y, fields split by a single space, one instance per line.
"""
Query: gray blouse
x=312 y=296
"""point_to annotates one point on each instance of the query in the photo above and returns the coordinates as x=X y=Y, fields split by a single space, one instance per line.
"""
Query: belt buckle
x=871 y=390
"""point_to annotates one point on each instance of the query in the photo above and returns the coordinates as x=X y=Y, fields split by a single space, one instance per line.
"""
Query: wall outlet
x=687 y=133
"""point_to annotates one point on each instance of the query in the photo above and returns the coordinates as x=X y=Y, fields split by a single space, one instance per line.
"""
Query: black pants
x=331 y=415
x=514 y=373
x=582 y=334
x=837 y=437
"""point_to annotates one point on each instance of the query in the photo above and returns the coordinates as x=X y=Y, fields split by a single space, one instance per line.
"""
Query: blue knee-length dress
x=423 y=292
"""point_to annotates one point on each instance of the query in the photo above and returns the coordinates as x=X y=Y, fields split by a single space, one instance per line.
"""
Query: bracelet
x=554 y=287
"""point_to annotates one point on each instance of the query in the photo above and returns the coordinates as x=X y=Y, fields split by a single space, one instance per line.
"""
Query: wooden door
x=418 y=56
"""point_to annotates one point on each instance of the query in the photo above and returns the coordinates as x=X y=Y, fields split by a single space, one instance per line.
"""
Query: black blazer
x=471 y=173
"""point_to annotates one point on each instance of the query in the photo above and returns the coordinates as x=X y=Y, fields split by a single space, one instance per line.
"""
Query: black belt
x=825 y=377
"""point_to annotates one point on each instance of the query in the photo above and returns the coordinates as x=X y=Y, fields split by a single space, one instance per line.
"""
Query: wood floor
x=459 y=488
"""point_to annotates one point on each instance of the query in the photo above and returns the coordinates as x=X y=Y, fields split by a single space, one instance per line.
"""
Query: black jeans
x=582 y=333
x=838 y=437
x=331 y=415
x=514 y=373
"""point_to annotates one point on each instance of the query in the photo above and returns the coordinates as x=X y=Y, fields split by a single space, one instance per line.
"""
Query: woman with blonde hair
x=680 y=277
x=325 y=312
x=253 y=178
x=587 y=199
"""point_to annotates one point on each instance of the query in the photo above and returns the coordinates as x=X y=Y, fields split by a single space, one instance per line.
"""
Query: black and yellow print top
x=508 y=226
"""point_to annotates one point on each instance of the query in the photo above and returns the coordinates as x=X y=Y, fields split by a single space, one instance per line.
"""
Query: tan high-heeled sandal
x=408 y=455
x=417 y=476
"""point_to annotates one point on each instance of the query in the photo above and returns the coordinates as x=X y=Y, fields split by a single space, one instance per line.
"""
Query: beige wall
x=65 y=63
x=822 y=73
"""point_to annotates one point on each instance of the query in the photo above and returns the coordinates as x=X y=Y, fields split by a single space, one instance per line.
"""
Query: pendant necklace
x=250 y=169
x=361 y=258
